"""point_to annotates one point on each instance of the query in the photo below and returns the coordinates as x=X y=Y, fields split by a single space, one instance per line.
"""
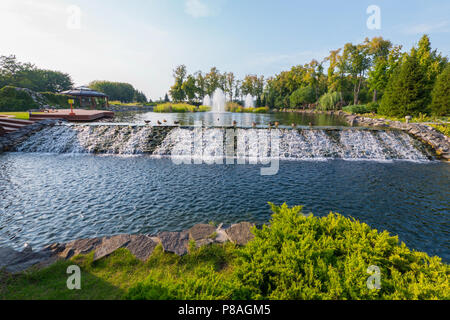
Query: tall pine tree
x=407 y=92
x=440 y=105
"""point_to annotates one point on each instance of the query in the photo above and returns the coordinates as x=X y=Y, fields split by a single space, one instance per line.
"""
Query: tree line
x=375 y=72
x=26 y=75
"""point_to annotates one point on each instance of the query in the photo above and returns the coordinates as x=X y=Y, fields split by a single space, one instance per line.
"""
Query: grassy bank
x=179 y=108
x=235 y=107
x=297 y=257
x=17 y=115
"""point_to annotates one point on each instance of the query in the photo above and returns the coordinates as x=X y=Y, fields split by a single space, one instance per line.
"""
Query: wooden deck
x=80 y=115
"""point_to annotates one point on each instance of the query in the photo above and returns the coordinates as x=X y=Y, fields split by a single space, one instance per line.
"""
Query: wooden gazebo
x=88 y=97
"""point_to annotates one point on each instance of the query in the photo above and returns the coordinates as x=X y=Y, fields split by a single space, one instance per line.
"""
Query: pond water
x=226 y=119
x=46 y=198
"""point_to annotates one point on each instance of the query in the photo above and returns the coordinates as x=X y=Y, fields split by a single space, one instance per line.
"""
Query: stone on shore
x=201 y=232
x=240 y=233
x=142 y=246
x=14 y=261
x=111 y=244
x=175 y=242
x=77 y=247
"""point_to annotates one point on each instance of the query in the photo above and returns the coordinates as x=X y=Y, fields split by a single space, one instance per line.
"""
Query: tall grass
x=179 y=108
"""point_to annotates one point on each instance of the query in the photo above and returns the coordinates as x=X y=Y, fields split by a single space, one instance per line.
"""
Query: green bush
x=178 y=108
x=362 y=109
x=329 y=101
x=12 y=99
x=302 y=96
x=305 y=257
x=57 y=100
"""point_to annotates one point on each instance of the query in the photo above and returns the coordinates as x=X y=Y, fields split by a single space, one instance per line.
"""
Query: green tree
x=190 y=88
x=407 y=90
x=230 y=80
x=119 y=91
x=200 y=83
x=302 y=96
x=357 y=62
x=440 y=104
x=176 y=91
x=214 y=80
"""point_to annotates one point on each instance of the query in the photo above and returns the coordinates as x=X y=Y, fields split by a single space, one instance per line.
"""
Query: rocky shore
x=141 y=246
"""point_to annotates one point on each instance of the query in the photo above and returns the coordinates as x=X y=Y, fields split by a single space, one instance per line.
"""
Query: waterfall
x=211 y=144
x=249 y=101
x=219 y=101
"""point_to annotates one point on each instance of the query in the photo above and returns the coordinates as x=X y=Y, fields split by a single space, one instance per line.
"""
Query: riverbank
x=307 y=258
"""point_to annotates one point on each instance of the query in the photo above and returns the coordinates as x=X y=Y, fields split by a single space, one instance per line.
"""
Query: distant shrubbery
x=237 y=108
x=12 y=99
x=329 y=101
x=363 y=108
x=179 y=108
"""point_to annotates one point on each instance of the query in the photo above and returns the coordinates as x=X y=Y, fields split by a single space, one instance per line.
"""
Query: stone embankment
x=141 y=246
x=8 y=141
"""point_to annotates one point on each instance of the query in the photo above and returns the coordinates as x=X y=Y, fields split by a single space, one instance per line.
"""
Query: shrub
x=304 y=257
x=175 y=107
x=301 y=97
x=329 y=101
x=14 y=99
x=57 y=100
x=300 y=257
x=234 y=107
x=362 y=109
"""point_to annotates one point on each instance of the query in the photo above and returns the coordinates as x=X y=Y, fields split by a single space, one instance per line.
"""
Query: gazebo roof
x=84 y=92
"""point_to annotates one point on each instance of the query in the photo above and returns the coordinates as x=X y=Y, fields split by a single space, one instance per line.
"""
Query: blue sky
x=141 y=41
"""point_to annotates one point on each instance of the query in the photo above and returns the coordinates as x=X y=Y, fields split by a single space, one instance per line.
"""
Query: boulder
x=111 y=244
x=240 y=233
x=201 y=232
x=142 y=246
x=14 y=261
x=83 y=246
x=175 y=242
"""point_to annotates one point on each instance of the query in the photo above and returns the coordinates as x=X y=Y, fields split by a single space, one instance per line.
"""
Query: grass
x=17 y=115
x=237 y=108
x=112 y=277
x=444 y=128
x=179 y=108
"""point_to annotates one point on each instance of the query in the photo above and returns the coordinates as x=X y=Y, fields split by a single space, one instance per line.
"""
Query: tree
x=230 y=80
x=190 y=88
x=200 y=83
x=407 y=90
x=357 y=62
x=302 y=96
x=213 y=81
x=440 y=105
x=166 y=98
x=176 y=91
x=120 y=91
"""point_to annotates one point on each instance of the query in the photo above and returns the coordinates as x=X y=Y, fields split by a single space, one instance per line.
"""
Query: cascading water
x=249 y=101
x=219 y=101
x=213 y=143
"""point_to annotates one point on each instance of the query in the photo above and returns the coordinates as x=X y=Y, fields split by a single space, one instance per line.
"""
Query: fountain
x=249 y=102
x=207 y=101
x=218 y=101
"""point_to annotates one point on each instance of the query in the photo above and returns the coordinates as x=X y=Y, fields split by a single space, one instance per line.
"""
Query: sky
x=142 y=41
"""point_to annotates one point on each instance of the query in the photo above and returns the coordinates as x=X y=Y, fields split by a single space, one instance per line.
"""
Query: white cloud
x=443 y=26
x=197 y=9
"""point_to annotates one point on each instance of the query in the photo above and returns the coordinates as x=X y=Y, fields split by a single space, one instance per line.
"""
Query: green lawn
x=18 y=115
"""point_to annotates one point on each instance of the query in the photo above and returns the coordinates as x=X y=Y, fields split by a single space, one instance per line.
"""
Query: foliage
x=329 y=101
x=406 y=93
x=57 y=100
x=302 y=96
x=119 y=91
x=12 y=99
x=304 y=257
x=294 y=257
x=440 y=104
x=444 y=128
x=179 y=108
x=237 y=108
x=362 y=108
x=27 y=75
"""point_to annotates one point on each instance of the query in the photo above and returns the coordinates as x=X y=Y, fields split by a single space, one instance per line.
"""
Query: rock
x=142 y=246
x=2 y=131
x=111 y=244
x=175 y=242
x=240 y=233
x=201 y=232
x=13 y=261
x=78 y=247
